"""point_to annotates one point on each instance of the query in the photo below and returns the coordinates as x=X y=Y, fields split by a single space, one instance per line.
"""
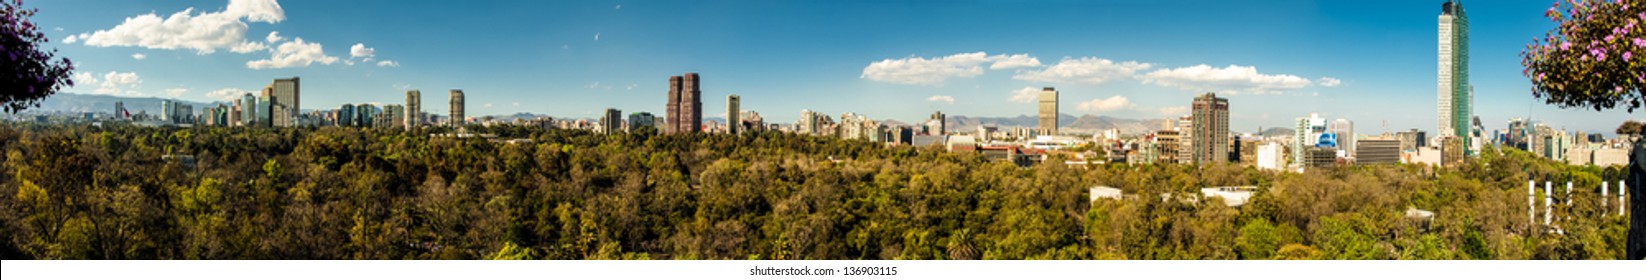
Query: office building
x=457 y=118
x=1167 y=144
x=685 y=110
x=1345 y=132
x=1048 y=111
x=937 y=125
x=168 y=110
x=1271 y=156
x=1455 y=95
x=641 y=119
x=1377 y=150
x=345 y=115
x=612 y=121
x=414 y=109
x=1208 y=136
x=1306 y=135
x=733 y=124
x=286 y=102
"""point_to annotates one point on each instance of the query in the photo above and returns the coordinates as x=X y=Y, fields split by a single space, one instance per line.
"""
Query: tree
x=1629 y=128
x=27 y=74
x=1590 y=59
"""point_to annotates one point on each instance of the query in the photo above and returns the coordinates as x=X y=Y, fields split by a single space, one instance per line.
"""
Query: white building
x=1270 y=156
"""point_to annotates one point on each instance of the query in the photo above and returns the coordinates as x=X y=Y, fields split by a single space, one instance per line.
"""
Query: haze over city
x=1368 y=62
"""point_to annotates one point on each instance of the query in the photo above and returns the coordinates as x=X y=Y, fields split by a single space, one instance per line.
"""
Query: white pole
x=1605 y=192
x=1531 y=202
x=1548 y=203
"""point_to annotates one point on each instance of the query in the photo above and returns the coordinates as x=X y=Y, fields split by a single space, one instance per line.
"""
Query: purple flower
x=1568 y=44
x=1640 y=42
x=1540 y=76
x=1627 y=55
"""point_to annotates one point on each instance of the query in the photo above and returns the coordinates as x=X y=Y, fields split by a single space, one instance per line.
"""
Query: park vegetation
x=124 y=192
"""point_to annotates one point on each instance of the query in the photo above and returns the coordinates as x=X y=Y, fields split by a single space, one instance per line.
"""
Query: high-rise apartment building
x=1209 y=130
x=685 y=109
x=1456 y=102
x=734 y=124
x=1048 y=111
x=1306 y=135
x=414 y=109
x=457 y=119
x=285 y=98
x=346 y=115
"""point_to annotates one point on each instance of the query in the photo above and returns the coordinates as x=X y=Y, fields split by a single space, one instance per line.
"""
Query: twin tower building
x=414 y=109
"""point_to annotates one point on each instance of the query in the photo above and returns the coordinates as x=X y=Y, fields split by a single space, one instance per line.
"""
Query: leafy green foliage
x=341 y=193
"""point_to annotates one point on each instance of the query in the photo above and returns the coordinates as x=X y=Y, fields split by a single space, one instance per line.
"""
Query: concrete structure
x=287 y=102
x=414 y=109
x=1048 y=111
x=1209 y=133
x=1232 y=196
x=1306 y=135
x=1167 y=144
x=1456 y=102
x=457 y=118
x=734 y=124
x=1104 y=192
x=346 y=115
x=1412 y=140
x=685 y=110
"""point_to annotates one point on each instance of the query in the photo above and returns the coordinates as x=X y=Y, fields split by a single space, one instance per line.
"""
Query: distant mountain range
x=93 y=103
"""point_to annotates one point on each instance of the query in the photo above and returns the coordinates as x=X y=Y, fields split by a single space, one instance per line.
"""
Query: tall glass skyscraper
x=1456 y=101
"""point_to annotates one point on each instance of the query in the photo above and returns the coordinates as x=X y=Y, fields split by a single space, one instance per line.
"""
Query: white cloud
x=1106 y=104
x=924 y=71
x=488 y=105
x=516 y=104
x=60 y=29
x=631 y=86
x=111 y=83
x=619 y=7
x=1174 y=111
x=597 y=36
x=1013 y=61
x=1329 y=82
x=1088 y=70
x=274 y=37
x=71 y=39
x=934 y=71
x=941 y=98
x=360 y=50
x=248 y=47
x=294 y=53
x=139 y=56
x=205 y=32
x=1026 y=95
x=388 y=63
x=176 y=92
x=1232 y=79
x=226 y=94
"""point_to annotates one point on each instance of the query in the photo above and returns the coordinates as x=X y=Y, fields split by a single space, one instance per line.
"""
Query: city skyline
x=1351 y=61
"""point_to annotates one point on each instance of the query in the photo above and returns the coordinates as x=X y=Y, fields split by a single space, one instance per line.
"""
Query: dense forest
x=122 y=192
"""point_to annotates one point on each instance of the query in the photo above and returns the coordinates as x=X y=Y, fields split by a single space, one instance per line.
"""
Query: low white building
x=1232 y=196
x=1105 y=192
x=1271 y=156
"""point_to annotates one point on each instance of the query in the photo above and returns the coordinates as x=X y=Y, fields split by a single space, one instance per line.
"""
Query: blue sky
x=1370 y=62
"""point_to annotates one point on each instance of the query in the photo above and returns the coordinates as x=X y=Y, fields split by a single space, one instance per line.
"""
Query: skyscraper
x=1209 y=136
x=248 y=110
x=286 y=105
x=346 y=115
x=1456 y=103
x=641 y=119
x=612 y=121
x=457 y=108
x=414 y=109
x=937 y=125
x=734 y=125
x=685 y=110
x=1048 y=111
x=1345 y=131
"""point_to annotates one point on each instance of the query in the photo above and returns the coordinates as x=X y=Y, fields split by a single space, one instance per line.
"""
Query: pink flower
x=1568 y=44
x=1627 y=55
